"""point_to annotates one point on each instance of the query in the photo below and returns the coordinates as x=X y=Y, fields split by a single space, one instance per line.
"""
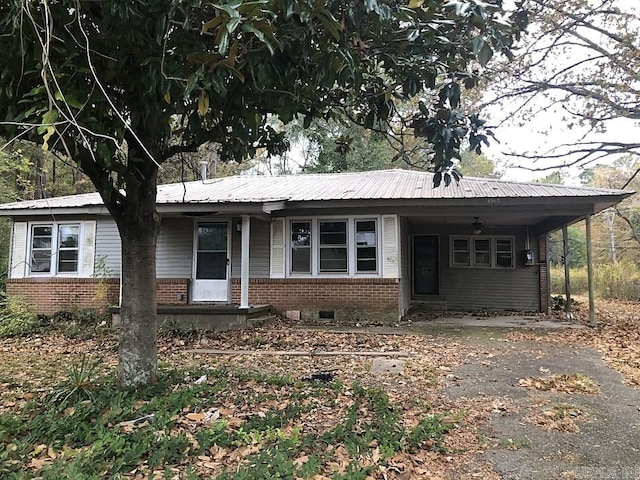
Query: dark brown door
x=425 y=265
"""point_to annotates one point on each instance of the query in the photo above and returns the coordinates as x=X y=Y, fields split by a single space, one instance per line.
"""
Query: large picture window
x=482 y=252
x=333 y=246
x=55 y=248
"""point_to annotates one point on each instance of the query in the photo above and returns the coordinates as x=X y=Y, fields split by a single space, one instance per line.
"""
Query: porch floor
x=206 y=316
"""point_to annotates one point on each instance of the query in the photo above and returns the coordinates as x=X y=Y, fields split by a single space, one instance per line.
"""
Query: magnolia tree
x=120 y=87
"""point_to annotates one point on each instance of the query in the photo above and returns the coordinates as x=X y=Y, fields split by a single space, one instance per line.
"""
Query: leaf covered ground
x=250 y=416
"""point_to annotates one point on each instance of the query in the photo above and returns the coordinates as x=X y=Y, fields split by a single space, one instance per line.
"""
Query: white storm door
x=211 y=263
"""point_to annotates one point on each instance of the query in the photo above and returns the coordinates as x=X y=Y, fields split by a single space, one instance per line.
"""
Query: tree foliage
x=579 y=63
x=111 y=85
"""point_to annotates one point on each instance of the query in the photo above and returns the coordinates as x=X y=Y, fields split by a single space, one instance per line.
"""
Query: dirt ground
x=528 y=403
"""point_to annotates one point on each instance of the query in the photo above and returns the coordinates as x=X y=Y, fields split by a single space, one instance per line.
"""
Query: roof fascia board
x=211 y=208
x=454 y=202
x=38 y=212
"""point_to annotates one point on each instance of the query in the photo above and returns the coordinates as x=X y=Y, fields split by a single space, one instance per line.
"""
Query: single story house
x=347 y=245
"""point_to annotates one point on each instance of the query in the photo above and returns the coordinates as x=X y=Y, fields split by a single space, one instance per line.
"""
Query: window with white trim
x=366 y=246
x=504 y=252
x=54 y=248
x=301 y=246
x=482 y=251
x=334 y=256
x=333 y=246
x=460 y=252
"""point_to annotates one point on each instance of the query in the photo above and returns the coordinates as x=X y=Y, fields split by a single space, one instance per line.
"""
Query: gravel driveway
x=607 y=445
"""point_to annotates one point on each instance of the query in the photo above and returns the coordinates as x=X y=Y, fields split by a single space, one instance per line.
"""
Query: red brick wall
x=544 y=274
x=374 y=299
x=50 y=295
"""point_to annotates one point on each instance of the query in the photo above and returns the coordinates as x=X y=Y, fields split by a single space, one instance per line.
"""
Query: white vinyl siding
x=174 y=257
x=107 y=248
x=258 y=249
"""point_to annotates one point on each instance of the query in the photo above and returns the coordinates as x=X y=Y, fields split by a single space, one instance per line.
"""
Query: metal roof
x=373 y=185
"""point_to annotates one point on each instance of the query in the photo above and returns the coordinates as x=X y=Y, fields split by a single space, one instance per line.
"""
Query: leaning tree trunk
x=139 y=228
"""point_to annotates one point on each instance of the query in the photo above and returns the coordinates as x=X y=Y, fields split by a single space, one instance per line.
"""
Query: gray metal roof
x=377 y=185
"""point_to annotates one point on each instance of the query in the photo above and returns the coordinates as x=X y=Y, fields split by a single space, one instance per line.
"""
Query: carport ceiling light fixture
x=477 y=226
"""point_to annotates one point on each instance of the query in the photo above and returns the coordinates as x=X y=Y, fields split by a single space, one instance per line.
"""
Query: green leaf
x=48 y=119
x=330 y=23
x=485 y=54
x=212 y=24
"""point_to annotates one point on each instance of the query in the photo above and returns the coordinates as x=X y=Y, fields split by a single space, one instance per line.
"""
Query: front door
x=425 y=265
x=211 y=263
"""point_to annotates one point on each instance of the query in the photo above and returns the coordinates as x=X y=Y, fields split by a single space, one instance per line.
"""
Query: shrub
x=17 y=319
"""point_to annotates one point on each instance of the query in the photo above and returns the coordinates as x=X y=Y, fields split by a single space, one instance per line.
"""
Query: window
x=41 y=245
x=301 y=246
x=366 y=246
x=504 y=252
x=482 y=252
x=55 y=248
x=68 y=244
x=460 y=252
x=333 y=246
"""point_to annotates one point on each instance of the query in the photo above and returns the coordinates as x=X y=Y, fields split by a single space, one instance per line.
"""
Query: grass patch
x=620 y=281
x=238 y=424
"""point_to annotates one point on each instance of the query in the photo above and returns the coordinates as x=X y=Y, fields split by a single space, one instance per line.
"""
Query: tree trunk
x=139 y=228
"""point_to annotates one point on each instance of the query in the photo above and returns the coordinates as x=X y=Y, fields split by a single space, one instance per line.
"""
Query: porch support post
x=592 y=308
x=244 y=262
x=568 y=308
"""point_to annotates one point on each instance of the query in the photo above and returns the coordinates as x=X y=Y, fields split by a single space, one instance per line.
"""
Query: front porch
x=206 y=316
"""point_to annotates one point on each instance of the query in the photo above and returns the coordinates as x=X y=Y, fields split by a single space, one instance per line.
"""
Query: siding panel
x=258 y=250
x=107 y=249
x=175 y=248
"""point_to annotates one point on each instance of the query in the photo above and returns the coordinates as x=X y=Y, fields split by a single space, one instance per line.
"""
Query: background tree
x=580 y=63
x=112 y=83
x=473 y=164
x=617 y=230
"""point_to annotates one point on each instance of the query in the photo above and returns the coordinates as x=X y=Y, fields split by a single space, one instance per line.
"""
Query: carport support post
x=567 y=280
x=592 y=308
x=244 y=262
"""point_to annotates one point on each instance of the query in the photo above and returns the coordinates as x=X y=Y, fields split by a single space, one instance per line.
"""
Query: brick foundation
x=350 y=299
x=373 y=299
x=51 y=295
